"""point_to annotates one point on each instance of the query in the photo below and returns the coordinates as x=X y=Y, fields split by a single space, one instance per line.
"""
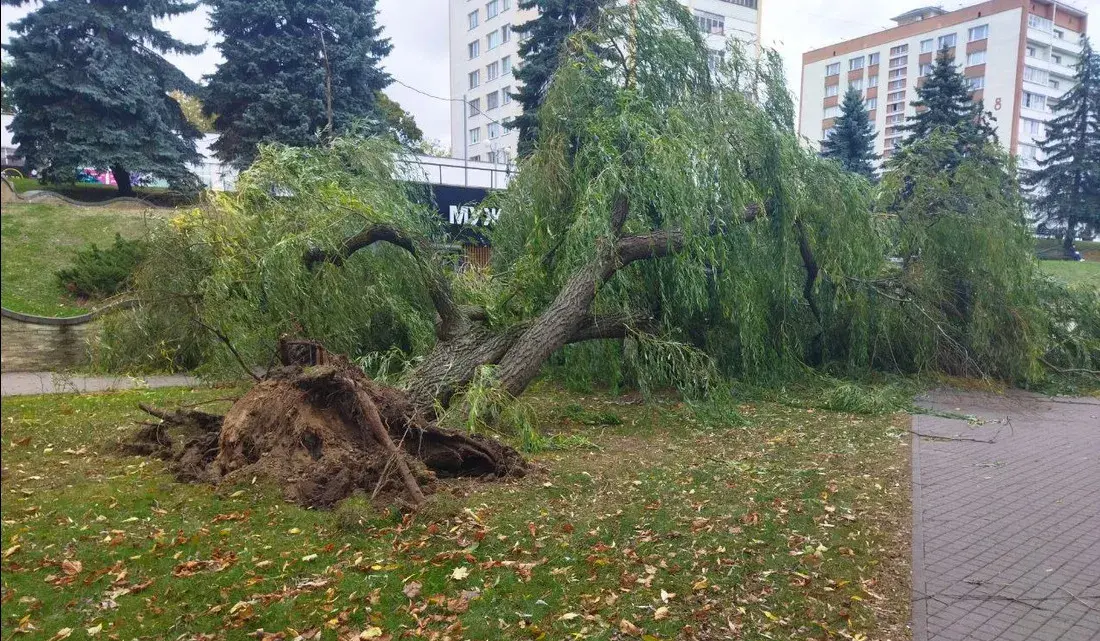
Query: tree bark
x=123 y=180
x=1068 y=238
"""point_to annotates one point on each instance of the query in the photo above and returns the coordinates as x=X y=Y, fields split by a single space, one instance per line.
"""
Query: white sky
x=418 y=31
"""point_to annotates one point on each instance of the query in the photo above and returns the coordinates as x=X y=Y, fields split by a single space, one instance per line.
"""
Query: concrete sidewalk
x=26 y=383
x=1006 y=519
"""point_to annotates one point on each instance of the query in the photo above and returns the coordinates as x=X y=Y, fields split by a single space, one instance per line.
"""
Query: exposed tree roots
x=322 y=433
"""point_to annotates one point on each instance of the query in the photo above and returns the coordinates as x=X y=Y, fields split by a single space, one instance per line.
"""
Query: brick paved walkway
x=1006 y=536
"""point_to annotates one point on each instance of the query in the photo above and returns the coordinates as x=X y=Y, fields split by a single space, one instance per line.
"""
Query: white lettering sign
x=466 y=215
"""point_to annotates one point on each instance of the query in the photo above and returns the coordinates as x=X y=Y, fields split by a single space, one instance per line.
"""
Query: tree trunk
x=122 y=179
x=1068 y=238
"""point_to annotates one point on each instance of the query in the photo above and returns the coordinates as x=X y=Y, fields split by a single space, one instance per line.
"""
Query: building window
x=832 y=112
x=1037 y=76
x=855 y=64
x=895 y=107
x=475 y=107
x=948 y=41
x=492 y=9
x=975 y=58
x=471 y=19
x=1058 y=33
x=710 y=23
x=980 y=32
x=475 y=78
x=492 y=41
x=895 y=84
x=1056 y=58
x=506 y=33
x=832 y=90
x=872 y=81
x=871 y=103
x=1039 y=22
x=832 y=70
x=475 y=135
x=475 y=158
x=897 y=73
x=507 y=93
x=872 y=59
x=494 y=130
x=1035 y=101
x=492 y=101
x=926 y=69
x=1033 y=128
x=975 y=83
x=492 y=71
x=896 y=96
x=474 y=49
x=898 y=50
x=825 y=133
x=1028 y=152
x=506 y=64
x=926 y=45
x=856 y=84
x=751 y=4
x=1054 y=84
x=900 y=61
x=895 y=119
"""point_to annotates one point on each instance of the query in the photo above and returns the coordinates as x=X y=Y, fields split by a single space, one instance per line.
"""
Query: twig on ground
x=954 y=438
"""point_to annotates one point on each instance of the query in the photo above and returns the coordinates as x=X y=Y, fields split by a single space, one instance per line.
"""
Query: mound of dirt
x=322 y=433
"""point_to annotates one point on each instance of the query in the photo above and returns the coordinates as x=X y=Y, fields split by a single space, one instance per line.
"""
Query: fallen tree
x=664 y=211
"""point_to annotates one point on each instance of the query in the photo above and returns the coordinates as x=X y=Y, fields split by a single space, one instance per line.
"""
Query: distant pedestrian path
x=26 y=383
x=1006 y=518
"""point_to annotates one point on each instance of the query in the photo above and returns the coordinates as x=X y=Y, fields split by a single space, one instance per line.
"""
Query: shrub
x=98 y=273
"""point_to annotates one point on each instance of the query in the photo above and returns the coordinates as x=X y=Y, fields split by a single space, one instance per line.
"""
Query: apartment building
x=1019 y=57
x=484 y=54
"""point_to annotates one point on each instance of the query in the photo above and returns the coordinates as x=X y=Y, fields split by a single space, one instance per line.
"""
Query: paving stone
x=1006 y=534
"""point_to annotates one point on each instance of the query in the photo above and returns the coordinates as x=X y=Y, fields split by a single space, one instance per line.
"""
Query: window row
x=492 y=10
x=493 y=70
x=898 y=57
x=710 y=23
x=494 y=39
x=493 y=131
x=493 y=100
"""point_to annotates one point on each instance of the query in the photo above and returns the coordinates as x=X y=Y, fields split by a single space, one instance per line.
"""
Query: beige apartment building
x=1019 y=57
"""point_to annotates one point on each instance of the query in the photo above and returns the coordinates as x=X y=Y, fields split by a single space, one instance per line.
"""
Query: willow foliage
x=782 y=259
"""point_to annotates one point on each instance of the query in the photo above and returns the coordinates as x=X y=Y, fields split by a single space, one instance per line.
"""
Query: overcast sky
x=418 y=30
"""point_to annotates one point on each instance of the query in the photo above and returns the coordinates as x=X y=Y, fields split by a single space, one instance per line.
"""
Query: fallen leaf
x=309 y=557
x=412 y=589
x=94 y=630
x=63 y=633
x=372 y=632
x=568 y=616
x=660 y=613
x=460 y=573
x=71 y=567
x=626 y=627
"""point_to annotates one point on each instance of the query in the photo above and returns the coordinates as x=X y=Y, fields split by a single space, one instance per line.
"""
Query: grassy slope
x=1073 y=273
x=39 y=238
x=788 y=526
x=1090 y=250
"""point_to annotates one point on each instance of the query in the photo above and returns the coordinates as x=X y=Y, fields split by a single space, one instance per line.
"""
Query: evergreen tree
x=540 y=53
x=852 y=142
x=1066 y=188
x=944 y=102
x=92 y=87
x=7 y=103
x=295 y=71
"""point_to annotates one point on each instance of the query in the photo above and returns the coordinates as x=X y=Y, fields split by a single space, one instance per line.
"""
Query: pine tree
x=1066 y=188
x=944 y=102
x=92 y=87
x=540 y=54
x=295 y=71
x=852 y=141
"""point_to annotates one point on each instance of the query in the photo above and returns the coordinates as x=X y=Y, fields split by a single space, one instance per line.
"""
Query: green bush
x=98 y=273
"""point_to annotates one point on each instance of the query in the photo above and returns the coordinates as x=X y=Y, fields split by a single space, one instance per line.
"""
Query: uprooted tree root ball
x=322 y=433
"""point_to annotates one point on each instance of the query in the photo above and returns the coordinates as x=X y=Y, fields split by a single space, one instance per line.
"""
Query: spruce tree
x=944 y=102
x=295 y=71
x=852 y=141
x=1065 y=189
x=540 y=53
x=92 y=87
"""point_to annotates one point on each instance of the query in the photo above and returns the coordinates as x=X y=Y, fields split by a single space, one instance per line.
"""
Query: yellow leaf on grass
x=460 y=573
x=94 y=630
x=372 y=632
x=660 y=613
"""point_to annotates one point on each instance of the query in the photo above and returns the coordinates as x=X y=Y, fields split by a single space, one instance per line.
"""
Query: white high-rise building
x=484 y=51
x=1019 y=57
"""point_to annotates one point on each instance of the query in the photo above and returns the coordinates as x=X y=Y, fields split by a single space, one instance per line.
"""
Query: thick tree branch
x=452 y=317
x=609 y=326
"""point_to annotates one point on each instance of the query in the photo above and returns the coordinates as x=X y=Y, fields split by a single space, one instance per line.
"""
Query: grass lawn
x=1073 y=272
x=792 y=525
x=1090 y=250
x=98 y=192
x=39 y=239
